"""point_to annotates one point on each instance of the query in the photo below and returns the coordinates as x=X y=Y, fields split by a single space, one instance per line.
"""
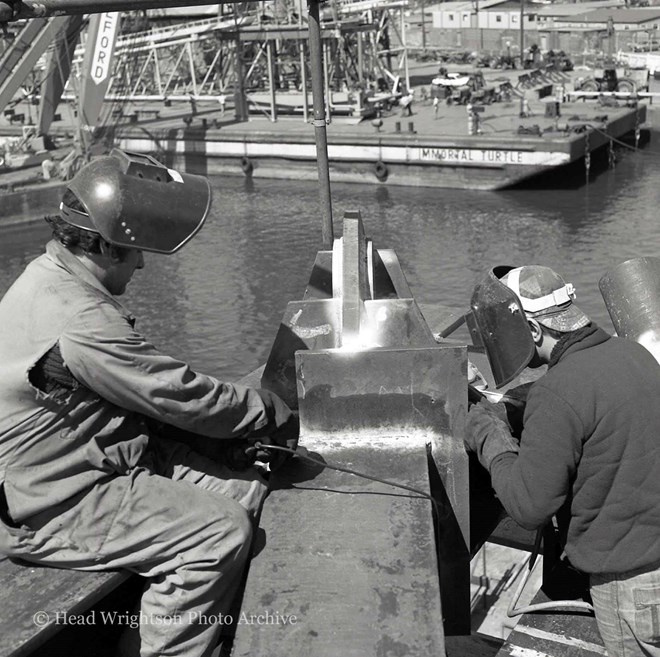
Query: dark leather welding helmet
x=631 y=292
x=501 y=324
x=134 y=201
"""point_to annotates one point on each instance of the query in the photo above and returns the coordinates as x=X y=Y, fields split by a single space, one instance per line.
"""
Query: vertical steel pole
x=405 y=50
x=303 y=81
x=271 y=81
x=522 y=33
x=240 y=106
x=316 y=66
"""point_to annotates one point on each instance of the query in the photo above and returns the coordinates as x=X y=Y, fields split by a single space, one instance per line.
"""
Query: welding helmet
x=501 y=327
x=134 y=201
x=631 y=292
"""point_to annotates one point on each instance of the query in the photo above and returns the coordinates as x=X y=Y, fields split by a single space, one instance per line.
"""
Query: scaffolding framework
x=254 y=55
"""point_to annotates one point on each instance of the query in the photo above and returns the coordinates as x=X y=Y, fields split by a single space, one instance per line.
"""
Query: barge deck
x=419 y=150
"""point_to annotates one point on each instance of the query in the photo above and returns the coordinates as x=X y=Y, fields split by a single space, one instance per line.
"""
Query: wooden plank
x=35 y=600
x=350 y=563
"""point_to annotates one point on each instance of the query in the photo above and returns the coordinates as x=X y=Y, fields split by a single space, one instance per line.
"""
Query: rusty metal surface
x=353 y=560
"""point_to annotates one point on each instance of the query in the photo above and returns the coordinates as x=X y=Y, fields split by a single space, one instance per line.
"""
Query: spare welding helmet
x=631 y=292
x=134 y=201
x=501 y=326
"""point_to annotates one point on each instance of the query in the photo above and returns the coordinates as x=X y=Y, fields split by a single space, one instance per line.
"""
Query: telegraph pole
x=321 y=138
x=423 y=26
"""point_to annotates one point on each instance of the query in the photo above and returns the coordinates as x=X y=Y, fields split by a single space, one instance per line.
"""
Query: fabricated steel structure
x=362 y=565
x=358 y=332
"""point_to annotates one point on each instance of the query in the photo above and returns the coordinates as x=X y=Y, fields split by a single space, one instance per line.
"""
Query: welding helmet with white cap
x=501 y=305
x=134 y=201
x=498 y=323
x=546 y=298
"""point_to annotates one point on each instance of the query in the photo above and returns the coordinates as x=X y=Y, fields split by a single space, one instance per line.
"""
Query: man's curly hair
x=73 y=237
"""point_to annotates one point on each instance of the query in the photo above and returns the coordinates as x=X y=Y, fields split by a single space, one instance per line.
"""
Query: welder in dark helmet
x=589 y=450
x=89 y=480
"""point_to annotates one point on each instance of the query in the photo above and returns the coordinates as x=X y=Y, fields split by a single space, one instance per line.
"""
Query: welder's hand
x=282 y=430
x=286 y=436
x=487 y=432
x=239 y=454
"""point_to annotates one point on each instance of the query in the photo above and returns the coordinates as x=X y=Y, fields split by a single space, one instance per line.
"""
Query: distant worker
x=474 y=125
x=222 y=100
x=406 y=103
x=48 y=168
x=96 y=424
x=589 y=451
x=436 y=94
x=525 y=110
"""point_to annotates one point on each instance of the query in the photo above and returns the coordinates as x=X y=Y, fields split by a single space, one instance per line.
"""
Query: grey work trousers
x=179 y=519
x=627 y=608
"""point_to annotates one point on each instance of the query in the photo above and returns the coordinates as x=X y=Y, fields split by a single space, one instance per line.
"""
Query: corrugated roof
x=634 y=15
x=465 y=5
x=572 y=9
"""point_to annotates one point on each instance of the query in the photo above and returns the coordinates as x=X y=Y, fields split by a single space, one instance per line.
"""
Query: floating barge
x=419 y=150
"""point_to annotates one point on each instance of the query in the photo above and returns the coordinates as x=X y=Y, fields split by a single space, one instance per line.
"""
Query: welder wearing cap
x=589 y=450
x=88 y=480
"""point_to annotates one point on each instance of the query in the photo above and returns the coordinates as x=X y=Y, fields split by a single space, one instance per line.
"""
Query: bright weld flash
x=354 y=343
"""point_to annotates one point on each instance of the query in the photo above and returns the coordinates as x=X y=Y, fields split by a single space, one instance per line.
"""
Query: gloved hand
x=283 y=429
x=238 y=454
x=487 y=432
x=286 y=436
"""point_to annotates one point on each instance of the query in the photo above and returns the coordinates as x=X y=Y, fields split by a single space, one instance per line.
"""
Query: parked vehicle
x=610 y=79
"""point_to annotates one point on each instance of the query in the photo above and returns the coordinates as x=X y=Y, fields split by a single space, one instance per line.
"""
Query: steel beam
x=56 y=73
x=15 y=10
x=18 y=61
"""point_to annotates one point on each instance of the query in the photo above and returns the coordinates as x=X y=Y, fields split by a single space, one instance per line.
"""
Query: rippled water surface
x=218 y=302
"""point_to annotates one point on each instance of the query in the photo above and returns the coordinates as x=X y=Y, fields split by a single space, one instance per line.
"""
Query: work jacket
x=57 y=444
x=591 y=444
